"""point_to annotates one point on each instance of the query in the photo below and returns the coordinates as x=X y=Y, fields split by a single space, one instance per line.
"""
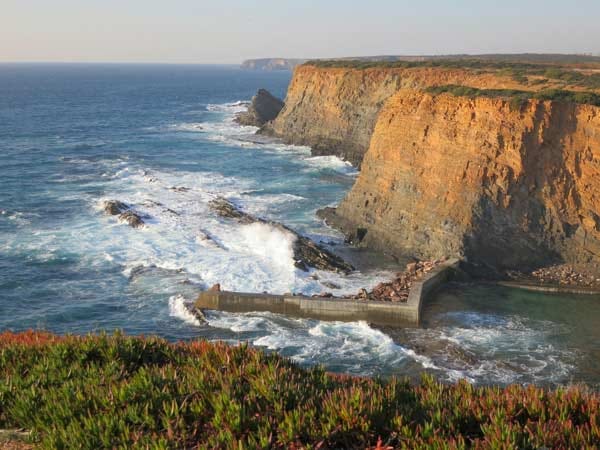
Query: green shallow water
x=510 y=335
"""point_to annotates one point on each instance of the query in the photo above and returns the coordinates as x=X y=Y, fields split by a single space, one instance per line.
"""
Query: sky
x=229 y=31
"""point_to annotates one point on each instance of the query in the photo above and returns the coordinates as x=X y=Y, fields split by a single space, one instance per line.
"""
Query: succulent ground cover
x=134 y=392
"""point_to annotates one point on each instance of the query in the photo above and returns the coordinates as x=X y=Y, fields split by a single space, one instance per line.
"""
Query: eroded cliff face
x=475 y=178
x=334 y=110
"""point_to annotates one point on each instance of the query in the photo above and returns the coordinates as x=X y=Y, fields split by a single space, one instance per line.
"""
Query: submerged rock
x=306 y=252
x=264 y=108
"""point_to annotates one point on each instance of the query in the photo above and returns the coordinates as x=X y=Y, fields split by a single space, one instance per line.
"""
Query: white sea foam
x=270 y=242
x=355 y=345
x=182 y=232
x=332 y=162
x=498 y=349
x=179 y=309
x=227 y=131
x=229 y=108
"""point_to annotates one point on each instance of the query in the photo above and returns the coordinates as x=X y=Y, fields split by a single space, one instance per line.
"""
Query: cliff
x=504 y=172
x=477 y=178
x=334 y=110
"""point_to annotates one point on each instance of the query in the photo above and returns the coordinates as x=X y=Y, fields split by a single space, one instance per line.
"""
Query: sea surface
x=162 y=138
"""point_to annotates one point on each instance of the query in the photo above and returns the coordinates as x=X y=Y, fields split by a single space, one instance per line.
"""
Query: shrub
x=123 y=392
x=517 y=70
x=518 y=98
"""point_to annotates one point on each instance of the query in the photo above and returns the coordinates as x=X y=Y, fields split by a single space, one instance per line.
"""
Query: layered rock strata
x=478 y=179
x=334 y=110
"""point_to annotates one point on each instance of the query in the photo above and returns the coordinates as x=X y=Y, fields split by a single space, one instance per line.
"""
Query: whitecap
x=334 y=163
x=179 y=309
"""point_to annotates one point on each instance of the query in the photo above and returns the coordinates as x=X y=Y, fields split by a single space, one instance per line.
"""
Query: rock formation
x=125 y=213
x=334 y=110
x=263 y=108
x=451 y=176
x=306 y=252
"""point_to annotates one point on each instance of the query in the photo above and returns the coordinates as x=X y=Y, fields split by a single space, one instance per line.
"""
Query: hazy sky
x=228 y=31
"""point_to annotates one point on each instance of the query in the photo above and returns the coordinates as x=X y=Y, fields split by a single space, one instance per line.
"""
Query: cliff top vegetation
x=125 y=392
x=517 y=97
x=532 y=73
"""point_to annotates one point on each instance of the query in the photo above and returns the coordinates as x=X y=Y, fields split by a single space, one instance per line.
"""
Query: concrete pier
x=339 y=309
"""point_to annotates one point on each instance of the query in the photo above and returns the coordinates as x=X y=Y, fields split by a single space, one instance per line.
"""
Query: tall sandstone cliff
x=334 y=110
x=452 y=176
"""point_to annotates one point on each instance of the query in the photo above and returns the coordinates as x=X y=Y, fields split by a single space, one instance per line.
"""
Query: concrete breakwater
x=339 y=309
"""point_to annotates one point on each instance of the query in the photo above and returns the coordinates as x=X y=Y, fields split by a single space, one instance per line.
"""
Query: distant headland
x=270 y=64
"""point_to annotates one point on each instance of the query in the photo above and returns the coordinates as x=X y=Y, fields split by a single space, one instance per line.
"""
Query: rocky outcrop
x=334 y=110
x=114 y=207
x=263 y=108
x=125 y=213
x=132 y=219
x=306 y=252
x=503 y=187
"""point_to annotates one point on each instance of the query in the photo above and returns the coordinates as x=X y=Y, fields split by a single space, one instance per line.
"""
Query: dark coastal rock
x=114 y=207
x=352 y=234
x=264 y=108
x=125 y=213
x=228 y=210
x=132 y=218
x=306 y=252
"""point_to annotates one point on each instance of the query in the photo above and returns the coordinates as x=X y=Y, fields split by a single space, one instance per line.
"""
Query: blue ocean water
x=162 y=138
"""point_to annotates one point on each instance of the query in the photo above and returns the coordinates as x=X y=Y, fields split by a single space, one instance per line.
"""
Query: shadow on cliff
x=531 y=230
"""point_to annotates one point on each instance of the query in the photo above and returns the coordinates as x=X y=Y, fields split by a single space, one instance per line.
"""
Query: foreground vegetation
x=122 y=392
x=516 y=97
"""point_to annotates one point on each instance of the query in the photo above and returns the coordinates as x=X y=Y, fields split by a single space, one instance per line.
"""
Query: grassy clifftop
x=122 y=392
x=528 y=73
x=518 y=97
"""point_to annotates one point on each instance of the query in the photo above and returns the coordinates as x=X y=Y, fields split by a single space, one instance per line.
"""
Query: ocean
x=162 y=138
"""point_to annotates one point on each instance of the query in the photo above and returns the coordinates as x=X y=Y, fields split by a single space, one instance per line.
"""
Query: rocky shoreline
x=560 y=275
x=306 y=252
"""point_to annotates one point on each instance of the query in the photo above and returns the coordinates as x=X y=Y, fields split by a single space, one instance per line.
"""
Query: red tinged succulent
x=139 y=392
